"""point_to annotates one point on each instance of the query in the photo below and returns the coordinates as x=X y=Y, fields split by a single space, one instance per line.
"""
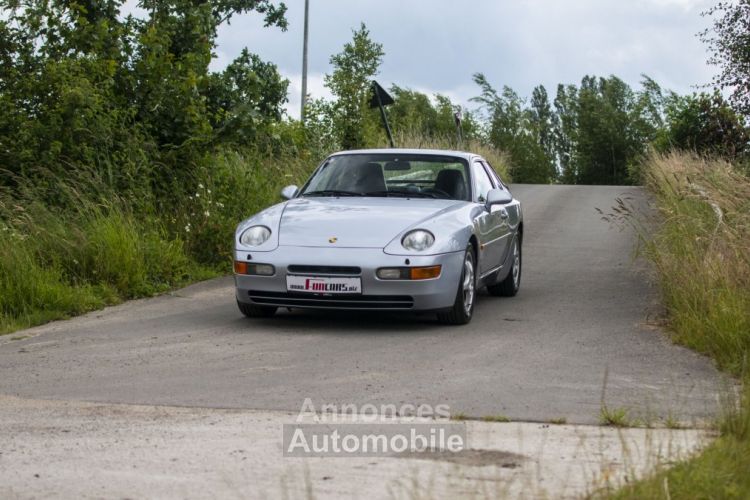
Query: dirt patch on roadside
x=471 y=458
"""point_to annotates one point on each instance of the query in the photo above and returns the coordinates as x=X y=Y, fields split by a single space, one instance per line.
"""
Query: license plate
x=326 y=285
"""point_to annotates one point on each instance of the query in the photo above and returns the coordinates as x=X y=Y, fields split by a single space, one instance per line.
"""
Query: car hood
x=354 y=222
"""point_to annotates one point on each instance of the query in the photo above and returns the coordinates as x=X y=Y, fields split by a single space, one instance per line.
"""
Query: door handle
x=503 y=213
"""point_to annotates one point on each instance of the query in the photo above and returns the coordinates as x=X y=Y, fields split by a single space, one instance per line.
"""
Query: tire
x=253 y=311
x=512 y=283
x=463 y=307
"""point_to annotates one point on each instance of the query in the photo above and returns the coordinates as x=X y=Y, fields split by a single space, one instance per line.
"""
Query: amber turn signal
x=425 y=273
x=408 y=273
x=253 y=269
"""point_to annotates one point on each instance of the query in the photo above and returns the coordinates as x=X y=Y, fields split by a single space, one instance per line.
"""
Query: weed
x=672 y=423
x=496 y=418
x=617 y=417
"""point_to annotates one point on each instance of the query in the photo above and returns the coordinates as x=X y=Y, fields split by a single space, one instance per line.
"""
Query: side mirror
x=498 y=196
x=289 y=192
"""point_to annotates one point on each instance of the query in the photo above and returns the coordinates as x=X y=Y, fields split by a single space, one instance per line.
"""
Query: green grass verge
x=722 y=470
x=702 y=255
x=87 y=263
x=701 y=251
x=72 y=245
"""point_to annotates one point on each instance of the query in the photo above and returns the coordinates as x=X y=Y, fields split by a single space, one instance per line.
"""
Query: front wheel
x=253 y=311
x=463 y=307
x=510 y=285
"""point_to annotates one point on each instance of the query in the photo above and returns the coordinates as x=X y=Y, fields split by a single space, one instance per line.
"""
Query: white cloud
x=315 y=89
x=688 y=5
x=436 y=45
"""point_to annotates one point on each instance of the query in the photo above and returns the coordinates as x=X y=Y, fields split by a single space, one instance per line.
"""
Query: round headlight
x=255 y=236
x=418 y=240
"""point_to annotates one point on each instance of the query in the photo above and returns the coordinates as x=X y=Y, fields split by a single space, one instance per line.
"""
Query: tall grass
x=56 y=263
x=722 y=470
x=702 y=254
x=237 y=185
x=73 y=244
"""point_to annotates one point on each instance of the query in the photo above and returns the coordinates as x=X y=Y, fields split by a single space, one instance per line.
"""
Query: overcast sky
x=436 y=45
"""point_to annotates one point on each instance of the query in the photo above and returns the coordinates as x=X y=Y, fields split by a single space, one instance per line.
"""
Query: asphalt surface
x=581 y=332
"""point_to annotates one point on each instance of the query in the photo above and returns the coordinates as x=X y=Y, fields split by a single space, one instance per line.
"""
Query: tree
x=729 y=42
x=446 y=119
x=543 y=122
x=611 y=134
x=353 y=71
x=603 y=129
x=566 y=131
x=704 y=123
x=512 y=129
x=414 y=113
x=82 y=88
x=245 y=99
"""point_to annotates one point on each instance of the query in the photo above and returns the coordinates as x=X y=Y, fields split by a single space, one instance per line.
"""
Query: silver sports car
x=390 y=230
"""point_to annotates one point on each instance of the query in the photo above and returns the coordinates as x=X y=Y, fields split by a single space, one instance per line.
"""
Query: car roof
x=435 y=152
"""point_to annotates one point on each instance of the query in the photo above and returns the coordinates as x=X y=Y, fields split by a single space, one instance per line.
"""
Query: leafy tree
x=729 y=41
x=172 y=84
x=353 y=71
x=704 y=123
x=543 y=122
x=609 y=137
x=245 y=98
x=511 y=128
x=604 y=128
x=446 y=119
x=413 y=112
x=320 y=129
x=565 y=130
x=83 y=88
x=650 y=104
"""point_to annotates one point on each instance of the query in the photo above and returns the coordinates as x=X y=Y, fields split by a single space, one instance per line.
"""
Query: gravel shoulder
x=57 y=449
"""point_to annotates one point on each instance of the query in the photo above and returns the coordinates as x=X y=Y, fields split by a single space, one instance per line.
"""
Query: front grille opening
x=337 y=270
x=317 y=301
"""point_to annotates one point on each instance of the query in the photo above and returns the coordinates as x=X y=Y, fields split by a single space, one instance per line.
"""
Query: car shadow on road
x=299 y=321
x=303 y=321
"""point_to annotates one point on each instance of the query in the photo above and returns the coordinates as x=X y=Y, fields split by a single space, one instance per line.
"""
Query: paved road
x=583 y=312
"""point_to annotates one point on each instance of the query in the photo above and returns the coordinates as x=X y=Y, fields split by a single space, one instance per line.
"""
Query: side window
x=495 y=177
x=482 y=182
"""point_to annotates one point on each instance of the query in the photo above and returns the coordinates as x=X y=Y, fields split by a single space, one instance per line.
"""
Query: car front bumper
x=396 y=295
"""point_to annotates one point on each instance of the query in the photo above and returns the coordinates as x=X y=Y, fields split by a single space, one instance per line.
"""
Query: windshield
x=398 y=175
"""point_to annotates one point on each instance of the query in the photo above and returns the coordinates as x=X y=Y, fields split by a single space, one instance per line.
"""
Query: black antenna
x=380 y=99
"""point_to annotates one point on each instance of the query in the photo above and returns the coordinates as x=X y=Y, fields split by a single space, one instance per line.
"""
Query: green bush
x=238 y=184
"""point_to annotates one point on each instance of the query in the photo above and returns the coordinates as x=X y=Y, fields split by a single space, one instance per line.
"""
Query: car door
x=510 y=214
x=492 y=226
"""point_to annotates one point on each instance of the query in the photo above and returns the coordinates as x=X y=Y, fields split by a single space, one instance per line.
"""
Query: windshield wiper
x=402 y=194
x=331 y=192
